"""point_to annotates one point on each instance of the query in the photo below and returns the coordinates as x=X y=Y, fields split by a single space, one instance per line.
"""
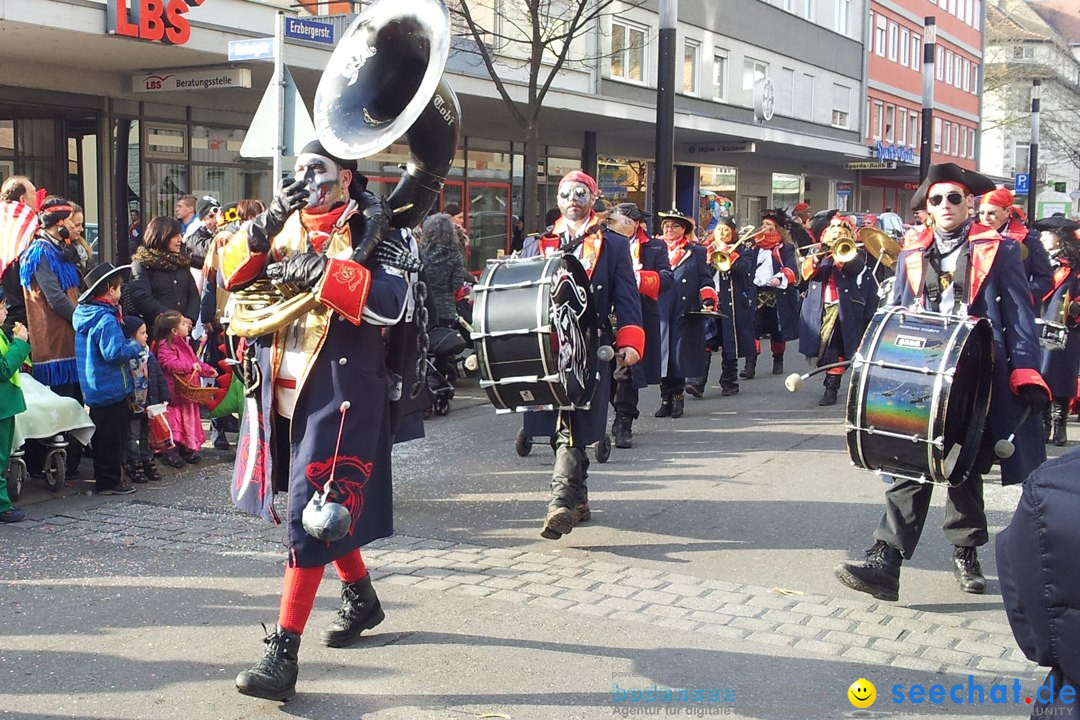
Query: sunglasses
x=577 y=193
x=954 y=198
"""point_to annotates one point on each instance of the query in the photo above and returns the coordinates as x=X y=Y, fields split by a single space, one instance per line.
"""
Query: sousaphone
x=383 y=81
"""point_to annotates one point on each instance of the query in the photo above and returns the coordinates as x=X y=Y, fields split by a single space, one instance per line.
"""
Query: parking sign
x=1022 y=183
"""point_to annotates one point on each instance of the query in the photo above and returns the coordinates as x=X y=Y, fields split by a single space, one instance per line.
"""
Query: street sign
x=1022 y=183
x=309 y=31
x=253 y=49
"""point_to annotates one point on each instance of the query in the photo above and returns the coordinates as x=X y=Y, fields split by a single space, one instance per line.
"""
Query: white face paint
x=575 y=200
x=323 y=179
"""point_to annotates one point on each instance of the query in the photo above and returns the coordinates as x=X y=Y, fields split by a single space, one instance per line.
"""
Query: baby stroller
x=445 y=345
x=47 y=417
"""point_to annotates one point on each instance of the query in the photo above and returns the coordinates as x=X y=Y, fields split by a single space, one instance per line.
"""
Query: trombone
x=724 y=256
x=843 y=250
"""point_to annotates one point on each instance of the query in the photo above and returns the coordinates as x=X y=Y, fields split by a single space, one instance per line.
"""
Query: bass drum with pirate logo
x=919 y=394
x=535 y=333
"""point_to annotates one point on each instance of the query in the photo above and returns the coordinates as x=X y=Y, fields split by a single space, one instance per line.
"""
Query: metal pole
x=926 y=146
x=664 y=194
x=1033 y=151
x=279 y=79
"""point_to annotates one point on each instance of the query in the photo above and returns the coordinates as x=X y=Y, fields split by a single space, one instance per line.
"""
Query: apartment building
x=894 y=95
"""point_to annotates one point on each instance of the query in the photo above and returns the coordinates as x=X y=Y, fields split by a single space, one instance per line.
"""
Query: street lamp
x=665 y=108
x=926 y=146
x=1033 y=149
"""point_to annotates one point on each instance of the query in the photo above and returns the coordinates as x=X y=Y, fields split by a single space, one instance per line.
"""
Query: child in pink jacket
x=174 y=354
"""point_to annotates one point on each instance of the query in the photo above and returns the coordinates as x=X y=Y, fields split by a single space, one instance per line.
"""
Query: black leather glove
x=304 y=270
x=376 y=222
x=1035 y=396
x=292 y=196
x=1074 y=309
x=394 y=251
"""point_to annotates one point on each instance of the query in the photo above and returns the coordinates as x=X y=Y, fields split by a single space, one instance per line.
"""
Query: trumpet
x=722 y=256
x=842 y=250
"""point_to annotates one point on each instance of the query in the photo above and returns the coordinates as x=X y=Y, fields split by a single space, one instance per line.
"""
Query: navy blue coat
x=682 y=336
x=999 y=291
x=787 y=300
x=1036 y=561
x=652 y=256
x=1060 y=367
x=852 y=297
x=735 y=289
x=1037 y=266
x=614 y=291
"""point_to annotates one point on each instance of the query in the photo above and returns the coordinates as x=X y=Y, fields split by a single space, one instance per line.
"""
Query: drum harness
x=937 y=280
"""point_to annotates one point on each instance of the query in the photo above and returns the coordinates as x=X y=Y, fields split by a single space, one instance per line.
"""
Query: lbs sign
x=154 y=20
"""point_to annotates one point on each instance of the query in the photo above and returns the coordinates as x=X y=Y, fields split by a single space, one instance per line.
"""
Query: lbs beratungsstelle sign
x=202 y=79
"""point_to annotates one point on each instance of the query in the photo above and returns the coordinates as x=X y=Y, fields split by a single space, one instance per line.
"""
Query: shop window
x=718 y=195
x=164 y=183
x=216 y=145
x=165 y=141
x=7 y=138
x=786 y=190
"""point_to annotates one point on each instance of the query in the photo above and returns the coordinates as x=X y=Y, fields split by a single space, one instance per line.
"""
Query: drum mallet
x=794 y=381
x=1004 y=449
x=606 y=352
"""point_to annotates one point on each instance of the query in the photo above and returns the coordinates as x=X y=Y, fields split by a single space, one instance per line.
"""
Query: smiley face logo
x=862 y=693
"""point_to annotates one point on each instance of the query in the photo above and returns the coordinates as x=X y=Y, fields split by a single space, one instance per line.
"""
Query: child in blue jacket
x=102 y=354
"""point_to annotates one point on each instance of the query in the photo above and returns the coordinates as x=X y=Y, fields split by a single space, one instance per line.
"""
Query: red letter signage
x=153 y=20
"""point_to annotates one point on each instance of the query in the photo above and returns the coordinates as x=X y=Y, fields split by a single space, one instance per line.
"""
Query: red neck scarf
x=320 y=226
x=770 y=240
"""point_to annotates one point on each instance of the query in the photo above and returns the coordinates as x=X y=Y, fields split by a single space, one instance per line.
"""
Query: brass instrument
x=383 y=80
x=723 y=256
x=880 y=244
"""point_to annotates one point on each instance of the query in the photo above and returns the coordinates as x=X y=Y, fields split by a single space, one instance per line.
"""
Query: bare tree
x=536 y=37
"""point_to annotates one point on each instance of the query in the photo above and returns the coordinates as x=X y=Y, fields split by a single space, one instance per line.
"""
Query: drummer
x=1061 y=238
x=962 y=268
x=682 y=334
x=834 y=311
x=996 y=209
x=606 y=258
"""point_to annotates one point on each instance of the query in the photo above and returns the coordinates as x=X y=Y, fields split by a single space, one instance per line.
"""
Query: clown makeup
x=322 y=177
x=993 y=215
x=575 y=201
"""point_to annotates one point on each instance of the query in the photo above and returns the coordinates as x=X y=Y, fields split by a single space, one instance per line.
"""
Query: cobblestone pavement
x=851 y=629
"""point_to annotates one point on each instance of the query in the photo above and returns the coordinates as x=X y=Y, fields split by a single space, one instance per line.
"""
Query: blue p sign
x=1022 y=183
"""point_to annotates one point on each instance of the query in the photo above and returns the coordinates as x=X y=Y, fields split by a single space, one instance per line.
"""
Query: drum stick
x=794 y=381
x=606 y=352
x=1004 y=449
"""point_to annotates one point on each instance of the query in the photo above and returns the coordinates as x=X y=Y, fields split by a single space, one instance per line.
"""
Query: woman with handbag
x=183 y=371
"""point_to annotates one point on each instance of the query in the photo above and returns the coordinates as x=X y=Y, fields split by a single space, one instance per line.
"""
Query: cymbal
x=707 y=313
x=881 y=245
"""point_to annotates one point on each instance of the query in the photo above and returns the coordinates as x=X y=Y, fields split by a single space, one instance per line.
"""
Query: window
x=905 y=46
x=841 y=105
x=962 y=145
x=913 y=136
x=753 y=71
x=971 y=143
x=948 y=67
x=627 y=51
x=785 y=92
x=1023 y=52
x=976 y=19
x=808 y=10
x=952 y=7
x=890 y=123
x=975 y=78
x=967 y=74
x=948 y=135
x=879 y=35
x=1021 y=157
x=937 y=134
x=789 y=5
x=962 y=11
x=893 y=31
x=916 y=51
x=878 y=119
x=804 y=93
x=690 y=67
x=719 y=75
x=939 y=64
x=956 y=139
x=842 y=19
x=901 y=127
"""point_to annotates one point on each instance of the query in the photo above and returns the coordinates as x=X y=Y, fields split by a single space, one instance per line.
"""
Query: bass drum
x=919 y=394
x=535 y=333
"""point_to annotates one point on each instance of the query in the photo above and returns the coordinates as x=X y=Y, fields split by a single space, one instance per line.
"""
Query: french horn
x=383 y=80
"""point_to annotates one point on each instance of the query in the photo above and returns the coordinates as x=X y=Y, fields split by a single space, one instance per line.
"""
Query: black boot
x=624 y=437
x=1059 y=418
x=729 y=377
x=677 y=406
x=134 y=471
x=968 y=572
x=832 y=385
x=665 y=407
x=749 y=368
x=360 y=610
x=777 y=364
x=274 y=676
x=150 y=471
x=878 y=575
x=1048 y=423
x=695 y=389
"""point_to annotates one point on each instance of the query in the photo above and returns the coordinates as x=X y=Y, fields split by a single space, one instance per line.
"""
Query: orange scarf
x=320 y=226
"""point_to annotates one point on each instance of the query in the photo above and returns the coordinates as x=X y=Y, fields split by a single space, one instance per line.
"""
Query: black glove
x=1074 y=309
x=292 y=196
x=304 y=270
x=394 y=251
x=1035 y=396
x=376 y=222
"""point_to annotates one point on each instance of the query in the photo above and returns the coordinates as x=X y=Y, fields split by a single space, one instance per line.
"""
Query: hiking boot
x=665 y=408
x=777 y=364
x=624 y=437
x=877 y=575
x=582 y=513
x=832 y=386
x=695 y=390
x=559 y=522
x=677 y=406
x=360 y=610
x=967 y=570
x=749 y=370
x=150 y=471
x=274 y=676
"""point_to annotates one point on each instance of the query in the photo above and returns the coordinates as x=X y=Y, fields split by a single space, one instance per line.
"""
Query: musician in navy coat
x=1060 y=367
x=605 y=256
x=962 y=268
x=996 y=209
x=682 y=333
x=735 y=301
x=775 y=288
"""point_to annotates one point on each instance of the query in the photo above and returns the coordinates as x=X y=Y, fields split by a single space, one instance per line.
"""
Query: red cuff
x=345 y=288
x=707 y=293
x=789 y=274
x=1024 y=376
x=649 y=284
x=631 y=336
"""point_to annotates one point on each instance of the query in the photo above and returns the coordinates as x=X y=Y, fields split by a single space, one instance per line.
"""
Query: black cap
x=205 y=204
x=1056 y=222
x=778 y=216
x=315 y=148
x=975 y=183
x=132 y=323
x=632 y=211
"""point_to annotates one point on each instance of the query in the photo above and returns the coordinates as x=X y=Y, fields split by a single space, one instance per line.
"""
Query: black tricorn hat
x=975 y=183
x=778 y=216
x=632 y=211
x=1055 y=222
x=316 y=148
x=98 y=275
